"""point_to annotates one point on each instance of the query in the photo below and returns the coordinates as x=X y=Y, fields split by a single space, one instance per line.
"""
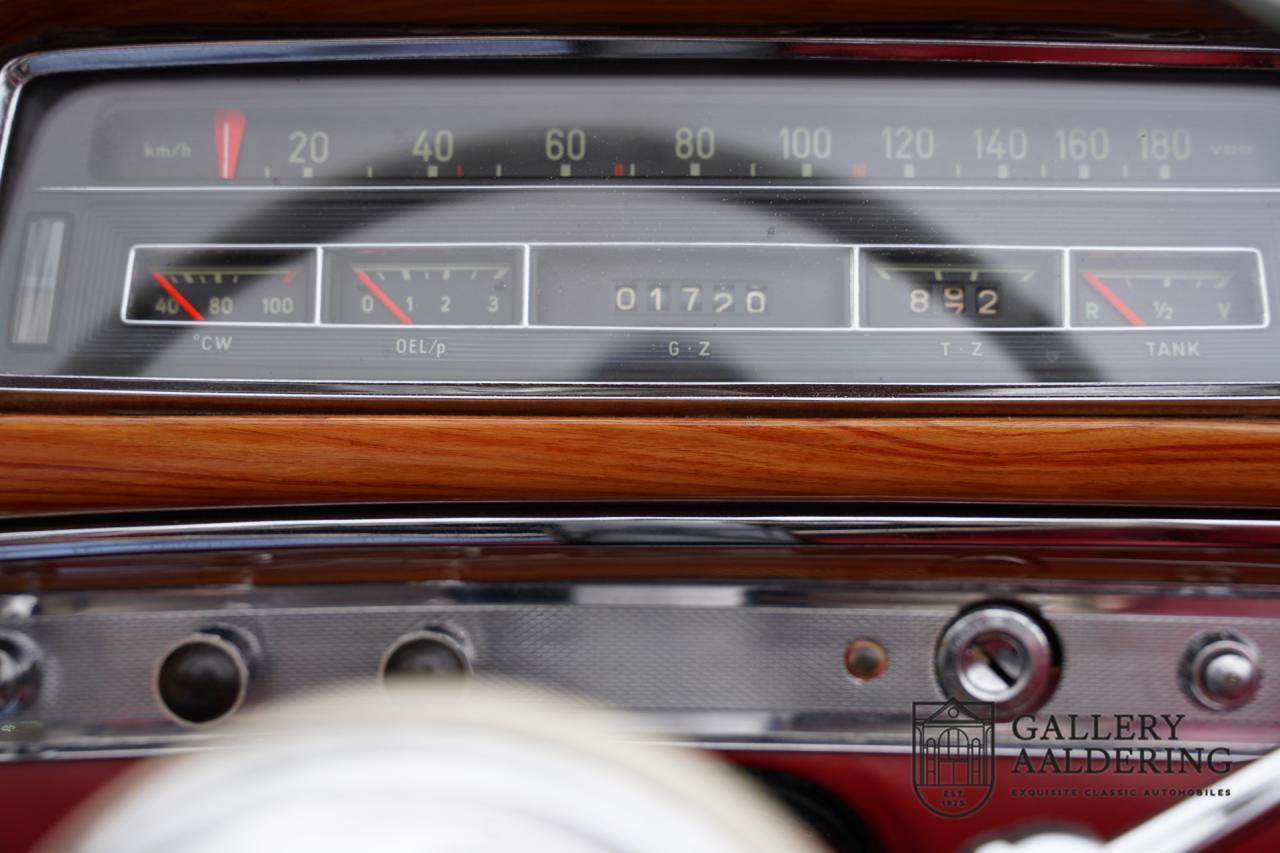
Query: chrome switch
x=1221 y=670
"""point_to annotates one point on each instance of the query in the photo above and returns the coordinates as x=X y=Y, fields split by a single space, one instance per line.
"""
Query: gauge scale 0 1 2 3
x=843 y=231
x=425 y=286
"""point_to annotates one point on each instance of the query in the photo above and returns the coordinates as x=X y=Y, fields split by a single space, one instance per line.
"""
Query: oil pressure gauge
x=454 y=285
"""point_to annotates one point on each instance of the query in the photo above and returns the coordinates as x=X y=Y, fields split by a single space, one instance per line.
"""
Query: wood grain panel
x=57 y=463
x=27 y=21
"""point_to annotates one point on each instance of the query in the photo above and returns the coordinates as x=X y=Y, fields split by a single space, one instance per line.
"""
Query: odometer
x=679 y=286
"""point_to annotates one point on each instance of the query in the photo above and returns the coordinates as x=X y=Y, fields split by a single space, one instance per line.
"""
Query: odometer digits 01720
x=691 y=286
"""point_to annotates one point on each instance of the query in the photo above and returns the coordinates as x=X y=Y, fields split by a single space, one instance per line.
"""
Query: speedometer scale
x=627 y=130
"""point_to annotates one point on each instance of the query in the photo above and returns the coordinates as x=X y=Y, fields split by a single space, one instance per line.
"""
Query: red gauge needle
x=177 y=297
x=1116 y=302
x=228 y=132
x=383 y=298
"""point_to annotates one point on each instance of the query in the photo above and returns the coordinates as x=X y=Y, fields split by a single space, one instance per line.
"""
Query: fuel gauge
x=1167 y=288
x=220 y=285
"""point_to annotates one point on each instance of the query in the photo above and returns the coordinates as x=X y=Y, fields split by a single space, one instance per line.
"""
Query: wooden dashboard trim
x=52 y=463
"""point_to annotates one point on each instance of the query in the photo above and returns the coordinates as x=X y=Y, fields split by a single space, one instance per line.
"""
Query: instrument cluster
x=509 y=227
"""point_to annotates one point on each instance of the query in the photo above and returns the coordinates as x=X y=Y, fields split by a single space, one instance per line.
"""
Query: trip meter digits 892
x=978 y=287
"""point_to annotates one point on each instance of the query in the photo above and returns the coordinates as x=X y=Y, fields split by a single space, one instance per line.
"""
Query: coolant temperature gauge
x=1192 y=288
x=260 y=286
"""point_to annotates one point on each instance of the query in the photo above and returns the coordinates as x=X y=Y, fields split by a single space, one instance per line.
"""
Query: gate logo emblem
x=953 y=755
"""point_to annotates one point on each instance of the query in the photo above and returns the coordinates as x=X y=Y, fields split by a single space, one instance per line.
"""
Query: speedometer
x=811 y=129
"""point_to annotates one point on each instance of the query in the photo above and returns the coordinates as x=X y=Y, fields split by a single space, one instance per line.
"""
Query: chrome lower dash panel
x=717 y=629
x=716 y=663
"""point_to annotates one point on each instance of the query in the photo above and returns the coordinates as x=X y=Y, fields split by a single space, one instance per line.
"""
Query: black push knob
x=205 y=677
x=427 y=653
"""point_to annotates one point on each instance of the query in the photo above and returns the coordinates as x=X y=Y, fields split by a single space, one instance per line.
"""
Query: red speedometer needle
x=1116 y=302
x=177 y=296
x=228 y=132
x=383 y=298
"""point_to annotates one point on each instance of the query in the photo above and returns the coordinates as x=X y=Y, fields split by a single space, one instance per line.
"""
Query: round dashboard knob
x=426 y=653
x=19 y=672
x=1221 y=670
x=1001 y=655
x=205 y=677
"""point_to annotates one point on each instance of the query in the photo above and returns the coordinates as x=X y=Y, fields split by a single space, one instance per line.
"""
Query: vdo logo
x=953 y=752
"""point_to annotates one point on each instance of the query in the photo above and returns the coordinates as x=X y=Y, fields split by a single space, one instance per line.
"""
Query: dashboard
x=339 y=361
x=707 y=228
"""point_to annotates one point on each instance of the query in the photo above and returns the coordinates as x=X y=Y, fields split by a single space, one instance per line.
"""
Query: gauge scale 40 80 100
x=804 y=234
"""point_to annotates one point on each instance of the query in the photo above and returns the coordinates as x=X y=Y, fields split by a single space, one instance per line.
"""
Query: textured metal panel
x=704 y=660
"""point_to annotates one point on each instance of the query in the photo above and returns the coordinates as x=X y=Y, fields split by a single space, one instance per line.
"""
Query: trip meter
x=974 y=287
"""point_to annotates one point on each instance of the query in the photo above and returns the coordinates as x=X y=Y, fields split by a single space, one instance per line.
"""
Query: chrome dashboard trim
x=586 y=185
x=827 y=395
x=30 y=539
x=21 y=70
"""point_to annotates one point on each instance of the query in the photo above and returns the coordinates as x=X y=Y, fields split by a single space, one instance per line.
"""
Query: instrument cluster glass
x=849 y=230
